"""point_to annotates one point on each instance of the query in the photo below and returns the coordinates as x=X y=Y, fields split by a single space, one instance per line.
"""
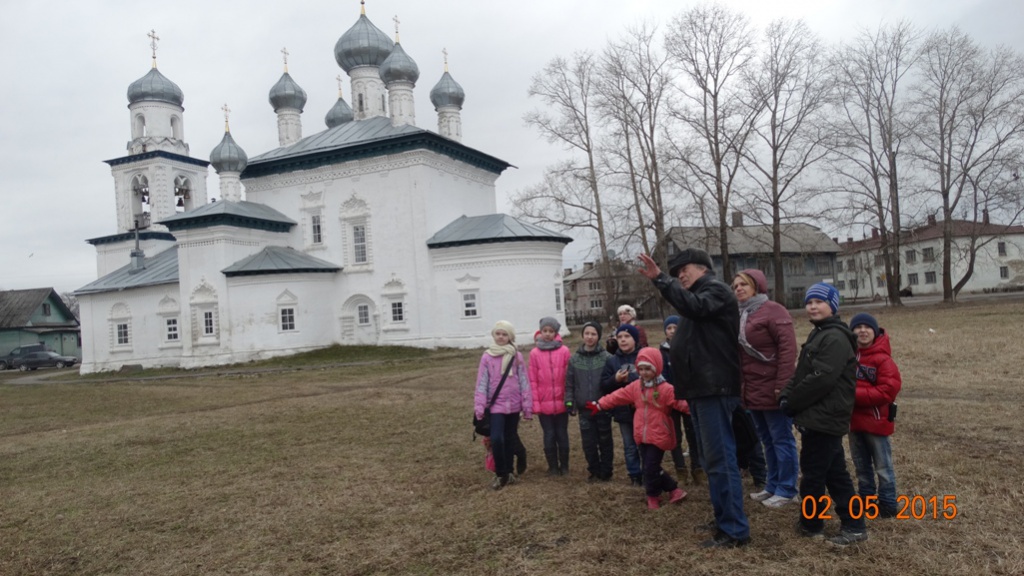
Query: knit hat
x=826 y=293
x=864 y=319
x=507 y=327
x=594 y=325
x=671 y=320
x=650 y=356
x=689 y=256
x=549 y=321
x=756 y=279
x=628 y=309
x=632 y=331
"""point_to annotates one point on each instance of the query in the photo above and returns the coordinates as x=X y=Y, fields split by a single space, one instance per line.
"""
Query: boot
x=563 y=462
x=636 y=481
x=552 y=457
x=653 y=502
x=676 y=495
x=699 y=477
x=520 y=456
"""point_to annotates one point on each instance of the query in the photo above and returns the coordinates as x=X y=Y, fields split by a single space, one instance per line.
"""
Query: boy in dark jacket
x=582 y=385
x=681 y=422
x=619 y=371
x=820 y=399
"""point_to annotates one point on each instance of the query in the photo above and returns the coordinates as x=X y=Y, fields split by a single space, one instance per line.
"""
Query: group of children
x=845 y=384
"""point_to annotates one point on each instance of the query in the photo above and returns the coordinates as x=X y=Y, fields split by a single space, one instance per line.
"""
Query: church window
x=182 y=192
x=316 y=229
x=383 y=106
x=287 y=319
x=470 y=304
x=360 y=105
x=123 y=335
x=120 y=327
x=558 y=298
x=363 y=314
x=139 y=126
x=359 y=244
x=176 y=128
x=397 y=312
x=172 y=330
x=208 y=325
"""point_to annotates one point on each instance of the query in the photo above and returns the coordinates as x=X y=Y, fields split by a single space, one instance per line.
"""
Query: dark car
x=12 y=357
x=44 y=360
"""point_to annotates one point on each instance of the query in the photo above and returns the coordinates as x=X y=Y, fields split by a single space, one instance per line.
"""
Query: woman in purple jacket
x=768 y=354
x=513 y=398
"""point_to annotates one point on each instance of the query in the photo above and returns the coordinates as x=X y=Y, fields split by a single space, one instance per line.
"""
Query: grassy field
x=369 y=468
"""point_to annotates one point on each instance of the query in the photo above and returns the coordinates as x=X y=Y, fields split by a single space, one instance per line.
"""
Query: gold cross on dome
x=227 y=112
x=153 y=38
x=284 y=51
x=445 y=52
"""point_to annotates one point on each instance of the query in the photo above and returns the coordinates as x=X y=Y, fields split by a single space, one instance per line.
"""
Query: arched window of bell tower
x=176 y=128
x=138 y=126
x=182 y=194
x=361 y=106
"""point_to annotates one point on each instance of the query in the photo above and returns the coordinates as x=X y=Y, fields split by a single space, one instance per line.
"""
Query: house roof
x=240 y=214
x=18 y=306
x=159 y=269
x=797 y=238
x=581 y=273
x=361 y=139
x=491 y=228
x=279 y=260
x=932 y=231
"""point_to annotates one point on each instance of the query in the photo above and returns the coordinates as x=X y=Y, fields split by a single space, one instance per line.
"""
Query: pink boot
x=676 y=495
x=653 y=502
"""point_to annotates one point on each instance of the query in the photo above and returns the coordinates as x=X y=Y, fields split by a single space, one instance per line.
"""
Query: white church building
x=369 y=231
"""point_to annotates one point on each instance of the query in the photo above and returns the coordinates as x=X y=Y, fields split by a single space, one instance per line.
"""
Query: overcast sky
x=67 y=67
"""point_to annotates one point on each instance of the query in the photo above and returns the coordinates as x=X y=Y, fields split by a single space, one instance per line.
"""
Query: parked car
x=44 y=360
x=10 y=360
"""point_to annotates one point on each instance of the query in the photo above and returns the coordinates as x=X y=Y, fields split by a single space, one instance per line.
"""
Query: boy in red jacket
x=874 y=413
x=654 y=399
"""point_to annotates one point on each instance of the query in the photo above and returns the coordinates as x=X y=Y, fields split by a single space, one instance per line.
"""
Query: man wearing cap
x=706 y=373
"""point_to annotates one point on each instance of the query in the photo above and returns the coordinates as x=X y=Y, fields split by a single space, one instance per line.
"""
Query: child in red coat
x=654 y=400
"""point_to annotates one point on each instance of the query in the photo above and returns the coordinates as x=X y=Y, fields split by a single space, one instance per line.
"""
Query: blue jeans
x=776 y=432
x=504 y=441
x=873 y=454
x=630 y=450
x=712 y=421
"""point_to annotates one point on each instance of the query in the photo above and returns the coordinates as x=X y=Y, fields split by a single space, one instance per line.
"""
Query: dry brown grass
x=370 y=469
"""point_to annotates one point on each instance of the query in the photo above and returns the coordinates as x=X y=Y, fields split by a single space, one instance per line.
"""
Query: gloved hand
x=570 y=408
x=594 y=407
x=784 y=406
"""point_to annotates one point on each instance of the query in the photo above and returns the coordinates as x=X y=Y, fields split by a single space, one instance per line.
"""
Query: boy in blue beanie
x=820 y=399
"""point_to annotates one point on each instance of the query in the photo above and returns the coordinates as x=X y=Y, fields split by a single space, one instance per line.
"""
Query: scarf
x=746 y=309
x=646 y=385
x=508 y=351
x=548 y=344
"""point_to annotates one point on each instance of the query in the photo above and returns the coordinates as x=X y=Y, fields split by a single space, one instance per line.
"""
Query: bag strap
x=497 y=391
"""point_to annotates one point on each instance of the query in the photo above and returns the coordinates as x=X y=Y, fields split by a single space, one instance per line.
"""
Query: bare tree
x=970 y=127
x=871 y=129
x=713 y=46
x=790 y=85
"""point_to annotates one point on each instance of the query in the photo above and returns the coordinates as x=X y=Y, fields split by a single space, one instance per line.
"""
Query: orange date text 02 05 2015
x=910 y=507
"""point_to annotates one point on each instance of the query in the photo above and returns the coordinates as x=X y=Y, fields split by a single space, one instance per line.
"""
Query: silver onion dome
x=228 y=156
x=362 y=45
x=398 y=66
x=154 y=86
x=287 y=94
x=447 y=92
x=340 y=113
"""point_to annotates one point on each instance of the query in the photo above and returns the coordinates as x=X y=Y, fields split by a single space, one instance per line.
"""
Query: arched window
x=182 y=194
x=176 y=128
x=139 y=126
x=361 y=106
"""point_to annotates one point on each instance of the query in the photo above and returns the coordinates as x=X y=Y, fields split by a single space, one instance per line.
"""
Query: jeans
x=823 y=464
x=655 y=479
x=712 y=421
x=872 y=453
x=776 y=432
x=504 y=441
x=556 y=439
x=630 y=450
x=598 y=448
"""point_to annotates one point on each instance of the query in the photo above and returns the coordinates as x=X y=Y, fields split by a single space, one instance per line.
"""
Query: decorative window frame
x=203 y=301
x=467 y=285
x=313 y=208
x=393 y=295
x=355 y=212
x=120 y=315
x=168 y=309
x=287 y=301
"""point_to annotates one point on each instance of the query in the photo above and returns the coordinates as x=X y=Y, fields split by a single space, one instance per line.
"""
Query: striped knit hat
x=825 y=293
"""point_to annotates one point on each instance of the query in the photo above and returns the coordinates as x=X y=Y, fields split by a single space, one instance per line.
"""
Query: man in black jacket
x=706 y=372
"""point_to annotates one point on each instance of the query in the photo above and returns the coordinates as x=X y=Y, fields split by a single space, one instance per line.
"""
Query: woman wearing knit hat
x=820 y=399
x=627 y=315
x=768 y=357
x=548 y=363
x=514 y=397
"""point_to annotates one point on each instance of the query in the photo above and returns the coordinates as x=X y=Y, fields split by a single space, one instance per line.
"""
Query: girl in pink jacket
x=549 y=362
x=654 y=400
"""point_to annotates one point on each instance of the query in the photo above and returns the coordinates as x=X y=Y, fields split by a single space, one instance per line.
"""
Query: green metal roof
x=159 y=269
x=240 y=214
x=279 y=260
x=491 y=228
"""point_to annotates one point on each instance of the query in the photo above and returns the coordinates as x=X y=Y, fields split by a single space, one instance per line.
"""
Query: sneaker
x=806 y=532
x=779 y=501
x=847 y=537
x=676 y=495
x=512 y=479
x=636 y=480
x=723 y=540
x=761 y=496
x=499 y=482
